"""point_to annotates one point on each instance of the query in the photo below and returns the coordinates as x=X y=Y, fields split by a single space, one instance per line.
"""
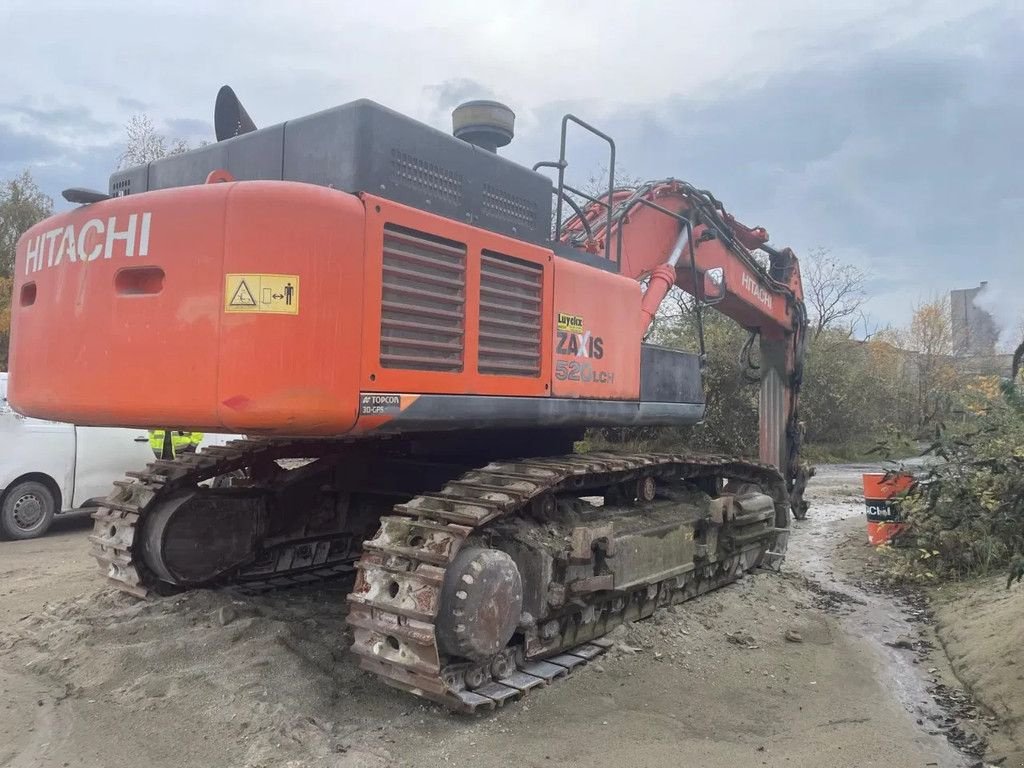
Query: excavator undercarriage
x=470 y=589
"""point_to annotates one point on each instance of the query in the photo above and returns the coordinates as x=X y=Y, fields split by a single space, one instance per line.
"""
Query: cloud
x=189 y=128
x=129 y=104
x=897 y=160
x=62 y=143
x=19 y=150
x=66 y=123
x=60 y=119
x=451 y=93
x=884 y=130
x=441 y=98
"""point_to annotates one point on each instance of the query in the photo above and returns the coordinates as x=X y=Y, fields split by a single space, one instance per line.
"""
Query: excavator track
x=395 y=604
x=119 y=519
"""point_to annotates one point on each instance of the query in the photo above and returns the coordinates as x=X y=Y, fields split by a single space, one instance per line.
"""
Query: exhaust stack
x=229 y=116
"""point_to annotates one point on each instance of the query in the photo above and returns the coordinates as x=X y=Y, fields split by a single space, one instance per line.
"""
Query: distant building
x=974 y=330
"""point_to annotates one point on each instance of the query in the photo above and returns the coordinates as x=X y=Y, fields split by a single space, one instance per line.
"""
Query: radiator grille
x=122 y=187
x=426 y=177
x=423 y=304
x=510 y=312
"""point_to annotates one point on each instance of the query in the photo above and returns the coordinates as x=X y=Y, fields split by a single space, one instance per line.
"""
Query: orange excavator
x=383 y=310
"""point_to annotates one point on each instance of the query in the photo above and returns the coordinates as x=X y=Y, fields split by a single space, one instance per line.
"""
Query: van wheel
x=27 y=511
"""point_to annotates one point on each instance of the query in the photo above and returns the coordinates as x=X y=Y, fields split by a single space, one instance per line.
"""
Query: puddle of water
x=835 y=498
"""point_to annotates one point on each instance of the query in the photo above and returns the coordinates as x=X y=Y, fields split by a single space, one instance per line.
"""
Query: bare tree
x=833 y=290
x=145 y=143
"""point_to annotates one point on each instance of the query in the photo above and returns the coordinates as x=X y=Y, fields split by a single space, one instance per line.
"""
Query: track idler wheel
x=195 y=537
x=481 y=600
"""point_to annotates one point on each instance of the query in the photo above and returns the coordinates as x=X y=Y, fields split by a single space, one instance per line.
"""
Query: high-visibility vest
x=179 y=440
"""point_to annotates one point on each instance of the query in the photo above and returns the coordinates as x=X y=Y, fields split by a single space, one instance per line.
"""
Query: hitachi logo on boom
x=759 y=292
x=127 y=235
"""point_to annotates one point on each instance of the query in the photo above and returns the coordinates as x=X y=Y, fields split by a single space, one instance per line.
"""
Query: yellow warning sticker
x=571 y=323
x=275 y=294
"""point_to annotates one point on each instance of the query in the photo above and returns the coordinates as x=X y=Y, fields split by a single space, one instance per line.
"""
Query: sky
x=887 y=131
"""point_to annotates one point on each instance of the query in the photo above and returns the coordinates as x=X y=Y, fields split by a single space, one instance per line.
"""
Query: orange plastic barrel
x=884 y=517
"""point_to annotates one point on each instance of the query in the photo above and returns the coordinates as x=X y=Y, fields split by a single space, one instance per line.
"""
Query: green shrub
x=967 y=517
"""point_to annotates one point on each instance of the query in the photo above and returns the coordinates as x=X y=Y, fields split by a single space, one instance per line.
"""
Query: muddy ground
x=90 y=677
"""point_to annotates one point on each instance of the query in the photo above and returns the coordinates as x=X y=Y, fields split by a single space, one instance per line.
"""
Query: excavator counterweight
x=384 y=311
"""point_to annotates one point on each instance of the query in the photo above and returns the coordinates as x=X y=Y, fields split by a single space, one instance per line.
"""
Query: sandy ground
x=40 y=570
x=980 y=627
x=90 y=677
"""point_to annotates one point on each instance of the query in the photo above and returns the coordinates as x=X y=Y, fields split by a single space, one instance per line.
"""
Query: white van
x=47 y=467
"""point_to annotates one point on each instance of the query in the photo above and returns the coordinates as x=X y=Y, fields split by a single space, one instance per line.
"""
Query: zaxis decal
x=575 y=341
x=580 y=345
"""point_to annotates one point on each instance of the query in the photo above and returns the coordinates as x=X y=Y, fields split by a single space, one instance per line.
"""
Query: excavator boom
x=674 y=234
